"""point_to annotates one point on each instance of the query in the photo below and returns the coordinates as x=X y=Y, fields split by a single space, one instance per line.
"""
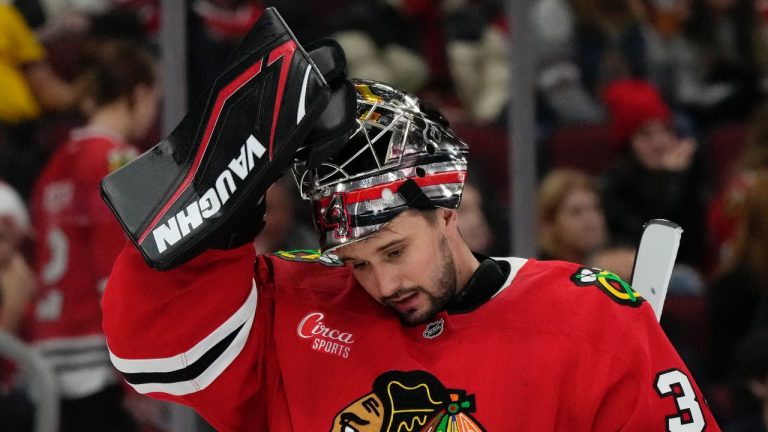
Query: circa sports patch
x=618 y=290
x=311 y=256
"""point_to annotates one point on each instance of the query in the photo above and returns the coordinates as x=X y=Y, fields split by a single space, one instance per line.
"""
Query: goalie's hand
x=329 y=133
x=332 y=130
x=203 y=186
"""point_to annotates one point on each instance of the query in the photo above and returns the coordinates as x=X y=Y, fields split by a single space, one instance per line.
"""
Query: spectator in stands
x=669 y=56
x=473 y=223
x=559 y=79
x=570 y=216
x=738 y=297
x=477 y=52
x=609 y=41
x=71 y=27
x=726 y=208
x=374 y=50
x=723 y=81
x=657 y=174
x=28 y=86
x=77 y=238
x=751 y=371
x=17 y=285
x=17 y=280
x=584 y=45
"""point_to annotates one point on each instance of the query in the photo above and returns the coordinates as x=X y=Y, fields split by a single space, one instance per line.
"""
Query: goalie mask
x=401 y=155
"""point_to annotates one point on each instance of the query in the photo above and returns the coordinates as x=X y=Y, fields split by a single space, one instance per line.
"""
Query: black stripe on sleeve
x=188 y=373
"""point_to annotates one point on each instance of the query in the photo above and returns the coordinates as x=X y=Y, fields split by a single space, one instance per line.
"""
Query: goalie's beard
x=437 y=298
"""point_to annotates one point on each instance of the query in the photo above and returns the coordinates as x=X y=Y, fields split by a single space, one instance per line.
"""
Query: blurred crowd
x=645 y=109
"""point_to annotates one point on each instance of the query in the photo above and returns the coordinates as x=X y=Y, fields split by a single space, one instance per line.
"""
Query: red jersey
x=301 y=346
x=77 y=240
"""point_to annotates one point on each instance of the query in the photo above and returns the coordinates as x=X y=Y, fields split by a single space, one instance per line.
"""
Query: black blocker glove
x=203 y=186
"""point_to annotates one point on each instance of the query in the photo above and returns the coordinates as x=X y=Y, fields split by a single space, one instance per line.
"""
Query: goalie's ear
x=194 y=188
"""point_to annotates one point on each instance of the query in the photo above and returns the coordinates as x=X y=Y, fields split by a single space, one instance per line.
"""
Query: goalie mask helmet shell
x=397 y=141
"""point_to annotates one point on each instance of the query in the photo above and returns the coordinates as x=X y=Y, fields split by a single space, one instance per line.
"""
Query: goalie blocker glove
x=203 y=186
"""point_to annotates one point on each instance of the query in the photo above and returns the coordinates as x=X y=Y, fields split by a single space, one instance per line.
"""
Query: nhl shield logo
x=434 y=329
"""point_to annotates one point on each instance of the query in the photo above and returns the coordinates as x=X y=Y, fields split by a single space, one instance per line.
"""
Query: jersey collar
x=489 y=278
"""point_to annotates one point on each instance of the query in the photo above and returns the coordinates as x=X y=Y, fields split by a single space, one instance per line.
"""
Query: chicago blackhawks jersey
x=295 y=344
x=77 y=240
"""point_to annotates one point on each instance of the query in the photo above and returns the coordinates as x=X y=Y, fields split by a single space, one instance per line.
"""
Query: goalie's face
x=408 y=265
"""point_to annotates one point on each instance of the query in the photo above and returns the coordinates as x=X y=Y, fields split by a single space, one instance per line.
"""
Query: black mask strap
x=415 y=196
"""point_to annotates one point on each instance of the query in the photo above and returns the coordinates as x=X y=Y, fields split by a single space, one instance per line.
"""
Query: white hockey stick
x=654 y=261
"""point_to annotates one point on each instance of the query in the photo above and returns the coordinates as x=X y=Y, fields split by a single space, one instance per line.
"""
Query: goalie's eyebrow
x=393 y=243
x=382 y=248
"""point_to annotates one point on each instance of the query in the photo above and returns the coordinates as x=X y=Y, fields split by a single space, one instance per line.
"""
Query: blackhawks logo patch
x=618 y=290
x=409 y=401
x=311 y=256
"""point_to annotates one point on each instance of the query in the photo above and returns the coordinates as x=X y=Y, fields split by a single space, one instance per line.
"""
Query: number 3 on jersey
x=674 y=383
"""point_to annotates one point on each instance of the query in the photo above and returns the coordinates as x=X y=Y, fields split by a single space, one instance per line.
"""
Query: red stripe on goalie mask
x=331 y=213
x=375 y=192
